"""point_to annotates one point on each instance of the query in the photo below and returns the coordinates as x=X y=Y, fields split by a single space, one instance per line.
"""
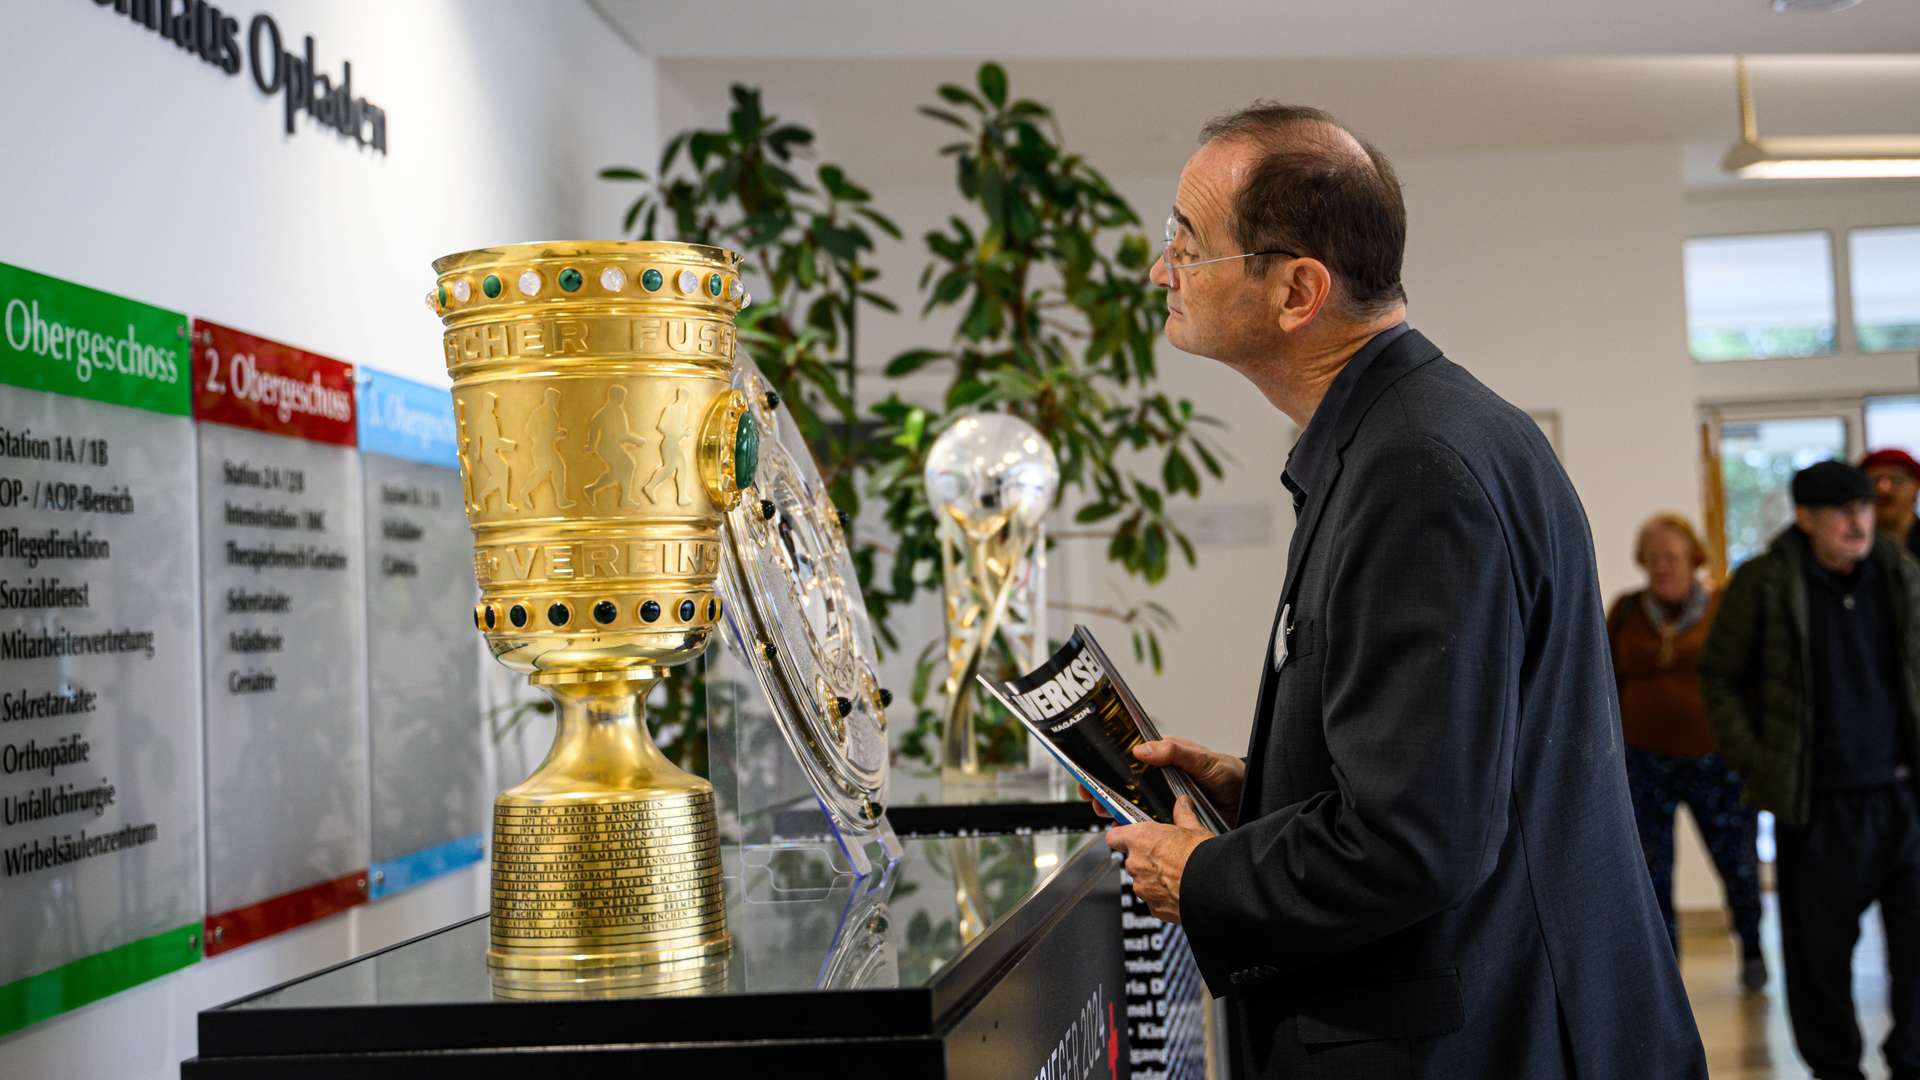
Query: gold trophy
x=600 y=444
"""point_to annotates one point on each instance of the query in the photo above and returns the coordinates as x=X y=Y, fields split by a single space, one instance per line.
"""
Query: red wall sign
x=252 y=382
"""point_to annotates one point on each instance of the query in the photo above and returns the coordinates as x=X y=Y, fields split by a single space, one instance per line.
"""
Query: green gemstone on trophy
x=443 y=296
x=746 y=451
x=713 y=285
x=652 y=280
x=491 y=286
x=570 y=279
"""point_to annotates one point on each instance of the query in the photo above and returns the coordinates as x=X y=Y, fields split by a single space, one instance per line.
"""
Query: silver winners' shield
x=793 y=607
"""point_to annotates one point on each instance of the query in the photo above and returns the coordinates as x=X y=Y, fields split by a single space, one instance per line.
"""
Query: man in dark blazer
x=1434 y=871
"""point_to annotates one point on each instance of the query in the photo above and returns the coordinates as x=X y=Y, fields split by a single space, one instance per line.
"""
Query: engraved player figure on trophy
x=610 y=430
x=490 y=454
x=543 y=437
x=675 y=422
x=465 y=438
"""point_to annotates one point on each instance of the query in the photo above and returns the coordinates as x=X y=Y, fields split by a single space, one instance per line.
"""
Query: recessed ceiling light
x=1813 y=7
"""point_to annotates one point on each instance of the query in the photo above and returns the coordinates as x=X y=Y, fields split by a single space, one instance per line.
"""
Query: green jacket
x=1757 y=663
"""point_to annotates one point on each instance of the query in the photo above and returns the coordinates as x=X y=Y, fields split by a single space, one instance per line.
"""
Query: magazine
x=1081 y=710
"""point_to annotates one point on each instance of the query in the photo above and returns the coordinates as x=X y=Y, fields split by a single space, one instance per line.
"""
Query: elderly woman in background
x=1657 y=633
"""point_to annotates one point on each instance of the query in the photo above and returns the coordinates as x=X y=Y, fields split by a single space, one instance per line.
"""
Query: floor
x=1747 y=1035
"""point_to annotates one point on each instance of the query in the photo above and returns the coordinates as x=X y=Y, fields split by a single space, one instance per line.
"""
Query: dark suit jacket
x=1437 y=872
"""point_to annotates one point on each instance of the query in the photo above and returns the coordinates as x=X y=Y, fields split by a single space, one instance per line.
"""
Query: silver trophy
x=990 y=480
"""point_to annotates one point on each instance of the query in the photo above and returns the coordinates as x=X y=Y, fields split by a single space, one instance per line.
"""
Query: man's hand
x=1220 y=776
x=1157 y=857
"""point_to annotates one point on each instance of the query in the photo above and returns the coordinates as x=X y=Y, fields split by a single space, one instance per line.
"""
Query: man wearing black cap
x=1812 y=679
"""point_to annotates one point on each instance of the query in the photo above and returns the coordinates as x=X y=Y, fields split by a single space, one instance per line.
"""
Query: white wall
x=134 y=167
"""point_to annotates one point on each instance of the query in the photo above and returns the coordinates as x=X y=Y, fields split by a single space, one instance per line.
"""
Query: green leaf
x=834 y=180
x=843 y=243
x=702 y=145
x=960 y=95
x=966 y=392
x=1093 y=512
x=951 y=288
x=913 y=360
x=913 y=430
x=942 y=114
x=1153 y=547
x=622 y=172
x=993 y=83
x=672 y=151
x=1207 y=459
x=633 y=214
x=745 y=119
x=783 y=140
x=1178 y=473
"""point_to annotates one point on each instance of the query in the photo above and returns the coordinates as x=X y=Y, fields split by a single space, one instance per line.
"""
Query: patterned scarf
x=1691 y=612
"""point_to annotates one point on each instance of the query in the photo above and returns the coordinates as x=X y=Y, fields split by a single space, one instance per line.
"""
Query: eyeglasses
x=1175 y=267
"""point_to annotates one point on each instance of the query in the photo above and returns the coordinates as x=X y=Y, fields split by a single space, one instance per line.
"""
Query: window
x=1757 y=461
x=1893 y=422
x=1760 y=297
x=1885 y=267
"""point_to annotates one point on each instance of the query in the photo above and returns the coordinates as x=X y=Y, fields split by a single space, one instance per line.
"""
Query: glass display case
x=965 y=952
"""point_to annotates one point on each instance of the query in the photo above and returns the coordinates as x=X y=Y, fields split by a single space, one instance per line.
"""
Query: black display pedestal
x=994 y=956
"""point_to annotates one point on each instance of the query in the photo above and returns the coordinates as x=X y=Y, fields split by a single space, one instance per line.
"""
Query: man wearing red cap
x=1896 y=480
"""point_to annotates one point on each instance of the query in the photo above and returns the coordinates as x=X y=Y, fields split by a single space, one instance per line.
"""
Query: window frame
x=1845 y=276
x=1837 y=272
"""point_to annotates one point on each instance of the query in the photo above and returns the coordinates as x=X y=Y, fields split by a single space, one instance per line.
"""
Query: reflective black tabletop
x=815 y=951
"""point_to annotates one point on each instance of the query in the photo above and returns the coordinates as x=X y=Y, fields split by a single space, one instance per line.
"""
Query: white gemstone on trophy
x=530 y=283
x=431 y=306
x=613 y=279
x=688 y=281
x=737 y=291
x=746 y=300
x=463 y=290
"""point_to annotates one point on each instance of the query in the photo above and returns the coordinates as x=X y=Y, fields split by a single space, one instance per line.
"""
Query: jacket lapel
x=1408 y=352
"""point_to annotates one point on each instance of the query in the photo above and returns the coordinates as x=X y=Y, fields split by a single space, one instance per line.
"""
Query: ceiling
x=865 y=113
x=1250 y=29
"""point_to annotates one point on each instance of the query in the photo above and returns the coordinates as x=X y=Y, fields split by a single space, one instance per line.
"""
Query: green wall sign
x=68 y=339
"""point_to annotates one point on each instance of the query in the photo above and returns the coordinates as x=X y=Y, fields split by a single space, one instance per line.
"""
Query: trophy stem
x=609 y=853
x=985 y=597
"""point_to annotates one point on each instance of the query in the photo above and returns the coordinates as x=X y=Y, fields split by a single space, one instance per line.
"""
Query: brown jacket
x=1660 y=704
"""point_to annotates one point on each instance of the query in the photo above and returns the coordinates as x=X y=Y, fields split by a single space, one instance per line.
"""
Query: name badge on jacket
x=1281 y=633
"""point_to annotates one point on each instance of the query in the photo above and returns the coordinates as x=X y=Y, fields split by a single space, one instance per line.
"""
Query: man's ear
x=1300 y=287
x=1804 y=518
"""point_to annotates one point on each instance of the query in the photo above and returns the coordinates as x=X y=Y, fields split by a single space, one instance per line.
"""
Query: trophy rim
x=537 y=250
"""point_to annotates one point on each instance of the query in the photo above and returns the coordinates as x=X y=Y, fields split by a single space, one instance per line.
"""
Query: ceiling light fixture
x=1813 y=7
x=1814 y=157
